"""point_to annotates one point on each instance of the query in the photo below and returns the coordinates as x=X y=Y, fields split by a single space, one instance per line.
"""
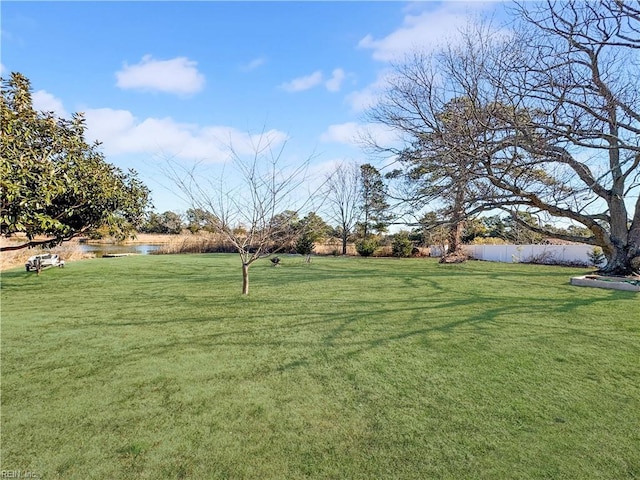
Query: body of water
x=100 y=250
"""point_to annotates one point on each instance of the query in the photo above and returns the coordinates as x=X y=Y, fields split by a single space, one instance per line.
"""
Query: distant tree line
x=301 y=235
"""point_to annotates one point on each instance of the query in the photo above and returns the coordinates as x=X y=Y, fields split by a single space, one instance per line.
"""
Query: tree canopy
x=54 y=185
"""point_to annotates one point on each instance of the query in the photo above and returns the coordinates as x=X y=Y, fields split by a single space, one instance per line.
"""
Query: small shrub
x=304 y=246
x=596 y=256
x=366 y=247
x=401 y=245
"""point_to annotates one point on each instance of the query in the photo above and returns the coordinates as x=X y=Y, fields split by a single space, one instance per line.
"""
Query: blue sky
x=182 y=80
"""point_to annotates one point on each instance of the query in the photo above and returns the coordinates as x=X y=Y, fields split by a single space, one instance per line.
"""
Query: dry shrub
x=333 y=248
x=383 y=251
x=488 y=241
x=141 y=238
x=548 y=258
x=421 y=252
x=201 y=242
x=455 y=257
x=194 y=243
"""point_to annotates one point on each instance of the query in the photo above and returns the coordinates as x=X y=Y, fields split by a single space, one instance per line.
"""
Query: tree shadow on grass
x=430 y=307
x=317 y=337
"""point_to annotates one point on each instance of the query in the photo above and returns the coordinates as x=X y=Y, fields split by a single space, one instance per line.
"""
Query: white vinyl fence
x=527 y=253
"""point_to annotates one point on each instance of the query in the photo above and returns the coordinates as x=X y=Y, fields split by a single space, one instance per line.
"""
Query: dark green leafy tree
x=521 y=229
x=495 y=227
x=315 y=226
x=375 y=207
x=285 y=227
x=433 y=230
x=305 y=245
x=474 y=228
x=169 y=223
x=312 y=228
x=54 y=185
x=437 y=167
x=198 y=219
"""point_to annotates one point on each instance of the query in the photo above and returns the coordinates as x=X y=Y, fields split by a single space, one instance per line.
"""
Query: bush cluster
x=401 y=245
x=367 y=247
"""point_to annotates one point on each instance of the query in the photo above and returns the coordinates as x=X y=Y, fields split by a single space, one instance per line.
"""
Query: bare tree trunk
x=345 y=237
x=245 y=279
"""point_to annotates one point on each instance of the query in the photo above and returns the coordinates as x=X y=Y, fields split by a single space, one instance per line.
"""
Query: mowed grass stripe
x=157 y=367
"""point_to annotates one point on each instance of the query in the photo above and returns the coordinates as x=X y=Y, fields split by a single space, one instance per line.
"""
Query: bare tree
x=245 y=205
x=548 y=123
x=342 y=197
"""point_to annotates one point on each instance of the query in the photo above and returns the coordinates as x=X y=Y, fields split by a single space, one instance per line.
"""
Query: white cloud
x=424 y=31
x=332 y=84
x=335 y=82
x=303 y=83
x=253 y=64
x=352 y=133
x=346 y=133
x=361 y=100
x=46 y=102
x=120 y=133
x=178 y=75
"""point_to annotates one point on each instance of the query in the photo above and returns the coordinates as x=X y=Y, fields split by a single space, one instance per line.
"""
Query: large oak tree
x=548 y=119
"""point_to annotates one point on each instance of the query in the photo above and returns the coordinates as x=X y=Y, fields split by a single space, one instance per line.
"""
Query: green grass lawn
x=348 y=368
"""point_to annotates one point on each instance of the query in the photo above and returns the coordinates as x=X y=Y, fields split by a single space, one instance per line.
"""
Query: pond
x=100 y=250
